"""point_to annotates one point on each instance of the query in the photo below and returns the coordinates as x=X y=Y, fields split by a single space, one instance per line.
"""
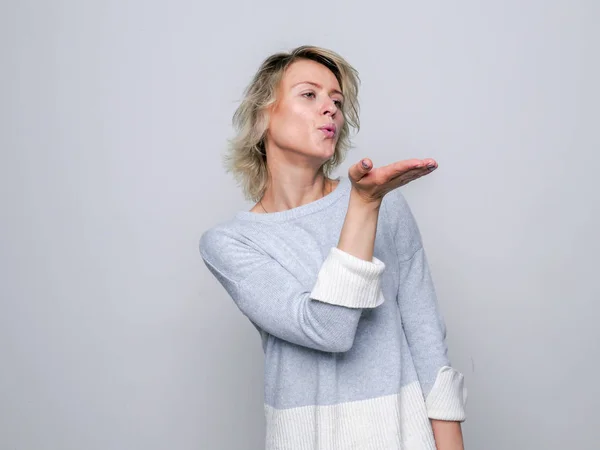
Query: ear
x=262 y=125
x=267 y=112
x=264 y=119
x=271 y=108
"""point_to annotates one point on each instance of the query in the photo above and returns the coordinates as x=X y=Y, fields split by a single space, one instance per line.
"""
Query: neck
x=284 y=194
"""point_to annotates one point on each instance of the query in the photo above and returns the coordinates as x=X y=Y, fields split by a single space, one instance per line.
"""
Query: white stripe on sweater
x=392 y=422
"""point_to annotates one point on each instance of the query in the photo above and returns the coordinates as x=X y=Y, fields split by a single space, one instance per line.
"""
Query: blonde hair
x=246 y=156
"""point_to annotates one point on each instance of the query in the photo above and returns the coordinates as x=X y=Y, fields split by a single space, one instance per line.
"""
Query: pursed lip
x=331 y=127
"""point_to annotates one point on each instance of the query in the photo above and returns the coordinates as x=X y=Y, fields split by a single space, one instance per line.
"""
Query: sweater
x=355 y=353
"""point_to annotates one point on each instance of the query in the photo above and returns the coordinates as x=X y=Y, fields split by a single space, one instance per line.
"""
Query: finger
x=412 y=174
x=427 y=166
x=417 y=163
x=415 y=175
x=416 y=172
x=401 y=167
x=431 y=164
x=360 y=169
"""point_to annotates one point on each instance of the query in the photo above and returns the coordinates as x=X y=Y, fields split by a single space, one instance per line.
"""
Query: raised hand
x=372 y=184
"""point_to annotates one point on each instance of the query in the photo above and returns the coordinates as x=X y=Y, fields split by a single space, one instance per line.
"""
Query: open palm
x=373 y=183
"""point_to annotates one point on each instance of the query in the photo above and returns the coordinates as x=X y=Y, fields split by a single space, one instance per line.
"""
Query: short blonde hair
x=246 y=156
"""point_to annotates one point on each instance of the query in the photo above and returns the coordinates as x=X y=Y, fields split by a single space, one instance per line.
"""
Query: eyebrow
x=333 y=91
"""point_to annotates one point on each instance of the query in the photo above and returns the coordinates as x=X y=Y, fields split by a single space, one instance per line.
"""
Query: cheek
x=294 y=122
x=300 y=116
x=289 y=130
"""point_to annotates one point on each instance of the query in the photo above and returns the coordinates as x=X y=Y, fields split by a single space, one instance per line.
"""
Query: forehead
x=308 y=70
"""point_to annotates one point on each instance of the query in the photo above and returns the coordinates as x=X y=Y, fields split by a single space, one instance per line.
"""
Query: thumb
x=360 y=169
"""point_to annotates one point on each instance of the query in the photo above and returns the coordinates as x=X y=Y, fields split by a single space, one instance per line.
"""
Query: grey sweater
x=355 y=351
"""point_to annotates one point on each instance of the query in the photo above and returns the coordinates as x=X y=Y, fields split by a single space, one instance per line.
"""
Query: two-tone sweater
x=355 y=352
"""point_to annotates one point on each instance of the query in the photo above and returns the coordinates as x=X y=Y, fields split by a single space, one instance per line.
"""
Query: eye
x=309 y=94
x=338 y=103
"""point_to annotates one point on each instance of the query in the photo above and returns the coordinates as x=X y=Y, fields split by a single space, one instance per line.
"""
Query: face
x=307 y=117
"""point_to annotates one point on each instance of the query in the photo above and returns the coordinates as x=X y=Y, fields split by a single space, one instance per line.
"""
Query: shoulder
x=398 y=211
x=401 y=221
x=210 y=241
x=219 y=239
x=228 y=249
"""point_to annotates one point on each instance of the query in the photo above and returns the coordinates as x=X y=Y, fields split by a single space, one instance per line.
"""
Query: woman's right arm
x=322 y=318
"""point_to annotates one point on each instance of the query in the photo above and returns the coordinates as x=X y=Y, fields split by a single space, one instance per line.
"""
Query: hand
x=372 y=184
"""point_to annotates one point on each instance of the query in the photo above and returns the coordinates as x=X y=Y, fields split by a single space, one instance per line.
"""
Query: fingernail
x=431 y=167
x=364 y=164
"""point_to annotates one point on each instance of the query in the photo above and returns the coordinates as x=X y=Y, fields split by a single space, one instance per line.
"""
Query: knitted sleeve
x=423 y=323
x=324 y=317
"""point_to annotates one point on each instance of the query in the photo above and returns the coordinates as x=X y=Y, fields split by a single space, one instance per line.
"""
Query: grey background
x=114 y=116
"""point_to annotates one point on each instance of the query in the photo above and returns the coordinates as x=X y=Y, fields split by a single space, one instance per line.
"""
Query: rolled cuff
x=347 y=280
x=448 y=396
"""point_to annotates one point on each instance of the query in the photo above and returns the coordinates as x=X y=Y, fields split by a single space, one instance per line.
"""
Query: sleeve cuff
x=347 y=280
x=448 y=396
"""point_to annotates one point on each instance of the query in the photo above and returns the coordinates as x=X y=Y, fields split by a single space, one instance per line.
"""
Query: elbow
x=340 y=341
x=329 y=328
x=342 y=348
x=341 y=344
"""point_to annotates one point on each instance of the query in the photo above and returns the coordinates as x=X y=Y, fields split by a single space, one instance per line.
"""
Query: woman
x=332 y=272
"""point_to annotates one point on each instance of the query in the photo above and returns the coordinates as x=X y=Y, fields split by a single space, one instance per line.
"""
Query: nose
x=329 y=107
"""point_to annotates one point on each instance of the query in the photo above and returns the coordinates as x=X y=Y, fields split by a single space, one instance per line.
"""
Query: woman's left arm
x=424 y=327
x=447 y=434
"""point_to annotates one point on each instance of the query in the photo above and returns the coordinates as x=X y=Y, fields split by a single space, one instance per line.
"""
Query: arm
x=424 y=326
x=447 y=435
x=324 y=318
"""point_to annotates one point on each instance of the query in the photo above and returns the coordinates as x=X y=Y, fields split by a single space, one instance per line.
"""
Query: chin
x=326 y=147
x=324 y=154
x=323 y=150
x=331 y=150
